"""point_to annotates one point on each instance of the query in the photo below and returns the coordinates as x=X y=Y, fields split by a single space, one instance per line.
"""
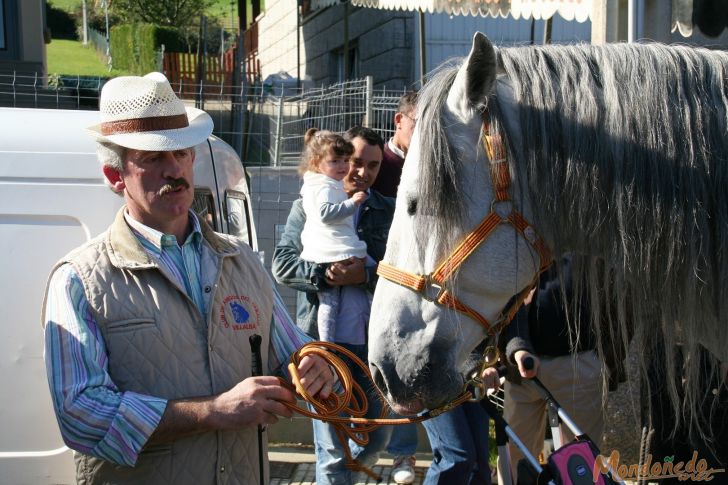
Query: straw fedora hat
x=143 y=113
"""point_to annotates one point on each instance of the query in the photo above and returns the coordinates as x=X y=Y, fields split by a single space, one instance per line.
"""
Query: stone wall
x=277 y=43
x=383 y=39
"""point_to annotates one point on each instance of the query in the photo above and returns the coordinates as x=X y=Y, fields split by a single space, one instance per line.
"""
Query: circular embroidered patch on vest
x=239 y=313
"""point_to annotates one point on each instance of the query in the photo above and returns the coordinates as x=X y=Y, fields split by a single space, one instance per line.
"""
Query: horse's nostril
x=378 y=378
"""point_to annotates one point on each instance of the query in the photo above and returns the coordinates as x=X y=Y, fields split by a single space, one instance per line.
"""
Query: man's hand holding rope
x=316 y=376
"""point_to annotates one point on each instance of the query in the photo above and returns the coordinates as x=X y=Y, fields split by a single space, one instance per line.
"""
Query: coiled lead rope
x=346 y=410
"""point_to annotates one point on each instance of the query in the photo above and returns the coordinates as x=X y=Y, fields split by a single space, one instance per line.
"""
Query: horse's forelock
x=626 y=146
x=439 y=192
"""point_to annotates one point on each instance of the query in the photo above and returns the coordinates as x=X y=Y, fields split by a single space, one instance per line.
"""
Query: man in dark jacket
x=372 y=220
x=567 y=364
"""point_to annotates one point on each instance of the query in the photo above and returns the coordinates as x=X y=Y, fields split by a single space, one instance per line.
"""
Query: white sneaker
x=403 y=469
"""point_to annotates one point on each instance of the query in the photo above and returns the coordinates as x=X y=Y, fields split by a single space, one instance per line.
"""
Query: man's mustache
x=174 y=184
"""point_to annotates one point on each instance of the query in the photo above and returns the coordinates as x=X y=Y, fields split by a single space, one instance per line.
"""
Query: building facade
x=23 y=36
x=333 y=41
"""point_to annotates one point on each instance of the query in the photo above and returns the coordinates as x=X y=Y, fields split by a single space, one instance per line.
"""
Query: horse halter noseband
x=432 y=286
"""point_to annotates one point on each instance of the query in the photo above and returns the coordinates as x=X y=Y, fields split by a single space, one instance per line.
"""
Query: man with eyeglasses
x=396 y=148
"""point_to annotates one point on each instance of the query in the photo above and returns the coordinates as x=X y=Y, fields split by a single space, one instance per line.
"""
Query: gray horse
x=618 y=152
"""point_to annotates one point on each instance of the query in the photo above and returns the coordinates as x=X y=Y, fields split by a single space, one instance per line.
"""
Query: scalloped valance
x=579 y=10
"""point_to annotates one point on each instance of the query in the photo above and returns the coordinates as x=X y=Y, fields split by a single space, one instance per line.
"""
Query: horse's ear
x=476 y=77
x=482 y=65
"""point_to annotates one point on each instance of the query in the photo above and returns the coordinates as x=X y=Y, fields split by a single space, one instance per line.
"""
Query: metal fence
x=265 y=123
x=56 y=92
x=100 y=43
x=336 y=108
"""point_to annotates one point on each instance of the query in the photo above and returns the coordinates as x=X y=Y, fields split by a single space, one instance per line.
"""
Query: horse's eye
x=411 y=206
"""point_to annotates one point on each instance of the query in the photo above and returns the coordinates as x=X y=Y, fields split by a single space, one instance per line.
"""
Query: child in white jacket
x=329 y=235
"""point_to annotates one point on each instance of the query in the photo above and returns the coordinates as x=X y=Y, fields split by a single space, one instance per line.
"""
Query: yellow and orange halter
x=433 y=286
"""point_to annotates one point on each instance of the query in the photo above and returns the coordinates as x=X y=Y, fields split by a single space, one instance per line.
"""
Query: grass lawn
x=68 y=5
x=219 y=9
x=72 y=58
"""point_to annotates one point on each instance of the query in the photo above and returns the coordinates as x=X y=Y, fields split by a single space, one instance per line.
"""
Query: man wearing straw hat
x=149 y=382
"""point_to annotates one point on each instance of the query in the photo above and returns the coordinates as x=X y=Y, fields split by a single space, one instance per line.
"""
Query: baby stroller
x=569 y=464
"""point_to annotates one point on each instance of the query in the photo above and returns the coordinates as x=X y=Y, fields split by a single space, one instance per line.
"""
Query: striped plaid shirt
x=94 y=416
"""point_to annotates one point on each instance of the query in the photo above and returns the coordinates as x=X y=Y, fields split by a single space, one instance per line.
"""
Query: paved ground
x=297 y=466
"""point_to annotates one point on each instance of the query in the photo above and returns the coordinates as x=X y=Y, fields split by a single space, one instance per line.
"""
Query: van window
x=204 y=205
x=236 y=204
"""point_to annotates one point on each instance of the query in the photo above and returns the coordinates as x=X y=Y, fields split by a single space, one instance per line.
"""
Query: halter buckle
x=431 y=288
x=442 y=409
x=476 y=386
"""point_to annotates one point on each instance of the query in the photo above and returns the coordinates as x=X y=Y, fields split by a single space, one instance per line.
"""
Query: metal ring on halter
x=477 y=389
x=430 y=285
x=491 y=356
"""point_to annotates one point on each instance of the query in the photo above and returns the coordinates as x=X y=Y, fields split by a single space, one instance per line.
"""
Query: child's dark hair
x=317 y=144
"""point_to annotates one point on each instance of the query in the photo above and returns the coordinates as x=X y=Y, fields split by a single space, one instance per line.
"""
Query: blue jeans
x=403 y=441
x=330 y=457
x=459 y=440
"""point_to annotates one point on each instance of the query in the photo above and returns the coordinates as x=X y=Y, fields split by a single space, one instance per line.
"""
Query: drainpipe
x=299 y=9
x=635 y=19
x=345 y=77
x=423 y=55
x=547 y=27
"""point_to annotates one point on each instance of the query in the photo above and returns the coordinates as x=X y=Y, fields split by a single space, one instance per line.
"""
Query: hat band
x=139 y=125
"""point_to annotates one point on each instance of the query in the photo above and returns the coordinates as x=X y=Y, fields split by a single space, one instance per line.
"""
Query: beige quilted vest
x=159 y=344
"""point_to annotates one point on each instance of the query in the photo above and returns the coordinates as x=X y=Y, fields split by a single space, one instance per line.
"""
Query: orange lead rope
x=351 y=401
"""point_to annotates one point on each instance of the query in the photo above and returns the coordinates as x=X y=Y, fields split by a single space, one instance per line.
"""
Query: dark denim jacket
x=290 y=270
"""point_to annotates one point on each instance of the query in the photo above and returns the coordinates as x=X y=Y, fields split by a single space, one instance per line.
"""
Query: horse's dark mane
x=626 y=157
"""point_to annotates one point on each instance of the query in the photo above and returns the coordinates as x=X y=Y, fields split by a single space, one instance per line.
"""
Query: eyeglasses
x=414 y=120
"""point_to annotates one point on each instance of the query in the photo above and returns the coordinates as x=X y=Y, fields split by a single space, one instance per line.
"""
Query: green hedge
x=61 y=23
x=135 y=47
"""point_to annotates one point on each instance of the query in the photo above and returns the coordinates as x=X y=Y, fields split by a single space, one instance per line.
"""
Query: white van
x=52 y=199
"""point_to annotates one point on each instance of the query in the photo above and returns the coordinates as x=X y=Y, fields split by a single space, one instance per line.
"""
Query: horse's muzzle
x=402 y=407
x=408 y=409
x=427 y=392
